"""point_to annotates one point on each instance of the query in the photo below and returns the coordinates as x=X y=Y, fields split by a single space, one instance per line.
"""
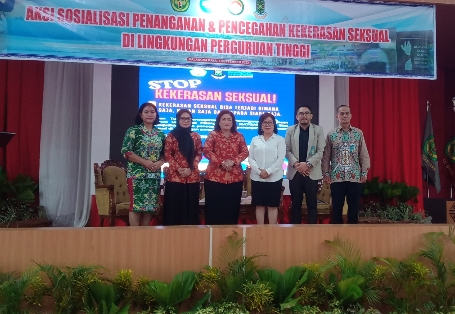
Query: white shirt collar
x=271 y=137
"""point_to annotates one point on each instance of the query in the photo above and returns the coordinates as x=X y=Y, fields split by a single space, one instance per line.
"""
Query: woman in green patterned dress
x=143 y=147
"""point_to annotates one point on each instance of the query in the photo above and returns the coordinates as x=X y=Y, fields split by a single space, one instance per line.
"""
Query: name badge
x=312 y=150
x=153 y=151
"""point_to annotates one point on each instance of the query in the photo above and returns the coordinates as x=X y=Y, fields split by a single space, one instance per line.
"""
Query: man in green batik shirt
x=345 y=165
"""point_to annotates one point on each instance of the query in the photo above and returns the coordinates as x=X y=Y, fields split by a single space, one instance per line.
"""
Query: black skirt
x=181 y=204
x=266 y=193
x=222 y=202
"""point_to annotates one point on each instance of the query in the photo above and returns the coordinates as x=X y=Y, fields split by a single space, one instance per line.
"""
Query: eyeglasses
x=267 y=123
x=185 y=119
x=304 y=113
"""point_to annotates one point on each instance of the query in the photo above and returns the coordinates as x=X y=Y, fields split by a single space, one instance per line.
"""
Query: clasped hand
x=153 y=166
x=303 y=168
x=184 y=172
x=327 y=179
x=227 y=164
x=263 y=174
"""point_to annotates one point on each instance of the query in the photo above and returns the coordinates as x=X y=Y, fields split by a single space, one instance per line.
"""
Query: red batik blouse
x=176 y=160
x=218 y=148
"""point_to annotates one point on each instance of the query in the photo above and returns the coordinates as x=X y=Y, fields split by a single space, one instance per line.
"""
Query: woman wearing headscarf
x=183 y=152
x=143 y=147
x=225 y=148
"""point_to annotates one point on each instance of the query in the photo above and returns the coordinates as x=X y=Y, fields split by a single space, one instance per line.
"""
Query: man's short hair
x=342 y=107
x=304 y=106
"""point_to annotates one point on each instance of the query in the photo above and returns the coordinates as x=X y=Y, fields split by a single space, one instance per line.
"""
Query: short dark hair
x=342 y=107
x=262 y=118
x=138 y=119
x=304 y=106
x=218 y=118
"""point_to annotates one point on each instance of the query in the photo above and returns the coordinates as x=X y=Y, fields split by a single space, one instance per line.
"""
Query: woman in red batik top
x=225 y=148
x=183 y=151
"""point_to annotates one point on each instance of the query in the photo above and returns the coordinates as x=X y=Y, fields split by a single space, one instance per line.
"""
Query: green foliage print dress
x=143 y=183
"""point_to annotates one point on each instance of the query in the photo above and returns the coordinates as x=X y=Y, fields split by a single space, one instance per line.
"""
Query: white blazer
x=316 y=144
x=267 y=155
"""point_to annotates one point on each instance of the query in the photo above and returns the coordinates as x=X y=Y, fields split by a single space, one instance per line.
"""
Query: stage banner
x=354 y=38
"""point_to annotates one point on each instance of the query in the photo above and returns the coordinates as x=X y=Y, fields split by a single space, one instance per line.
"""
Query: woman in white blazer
x=266 y=158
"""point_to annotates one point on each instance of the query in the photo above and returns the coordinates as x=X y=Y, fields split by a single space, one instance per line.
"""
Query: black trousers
x=299 y=185
x=222 y=202
x=181 y=204
x=352 y=191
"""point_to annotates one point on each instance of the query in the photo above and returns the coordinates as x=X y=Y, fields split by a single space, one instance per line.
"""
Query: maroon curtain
x=387 y=111
x=21 y=103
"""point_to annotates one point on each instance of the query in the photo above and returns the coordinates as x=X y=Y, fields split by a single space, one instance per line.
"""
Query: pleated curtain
x=65 y=165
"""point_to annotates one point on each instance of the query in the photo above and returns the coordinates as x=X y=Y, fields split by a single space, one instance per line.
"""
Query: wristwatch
x=309 y=164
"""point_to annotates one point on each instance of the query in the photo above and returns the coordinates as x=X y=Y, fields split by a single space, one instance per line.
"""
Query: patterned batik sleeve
x=163 y=140
x=327 y=156
x=364 y=157
x=169 y=152
x=243 y=151
x=197 y=151
x=128 y=142
x=209 y=147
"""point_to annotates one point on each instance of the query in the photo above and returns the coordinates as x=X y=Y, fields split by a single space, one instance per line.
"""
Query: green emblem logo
x=180 y=5
x=450 y=150
x=260 y=9
x=429 y=148
x=218 y=74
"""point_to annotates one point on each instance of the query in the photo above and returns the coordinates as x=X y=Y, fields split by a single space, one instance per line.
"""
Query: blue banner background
x=407 y=50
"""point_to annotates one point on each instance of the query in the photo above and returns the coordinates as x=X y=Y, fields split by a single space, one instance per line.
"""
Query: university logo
x=236 y=7
x=450 y=150
x=218 y=74
x=260 y=9
x=430 y=149
x=180 y=5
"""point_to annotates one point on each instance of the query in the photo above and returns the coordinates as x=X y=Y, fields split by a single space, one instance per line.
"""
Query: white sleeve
x=281 y=153
x=251 y=158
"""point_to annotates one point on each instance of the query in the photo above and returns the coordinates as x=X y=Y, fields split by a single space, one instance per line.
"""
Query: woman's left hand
x=185 y=172
x=227 y=164
x=263 y=174
x=156 y=165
